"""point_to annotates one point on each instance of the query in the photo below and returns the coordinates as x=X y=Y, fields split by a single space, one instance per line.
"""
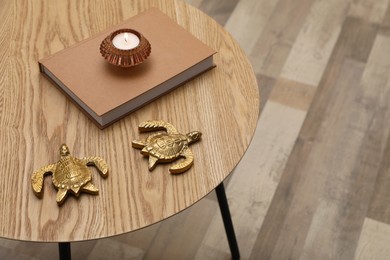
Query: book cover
x=107 y=93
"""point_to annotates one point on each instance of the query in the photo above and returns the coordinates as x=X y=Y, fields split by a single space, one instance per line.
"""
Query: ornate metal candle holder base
x=69 y=174
x=125 y=58
x=167 y=147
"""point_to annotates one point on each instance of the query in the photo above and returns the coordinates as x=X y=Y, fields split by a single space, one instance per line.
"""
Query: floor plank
x=265 y=85
x=311 y=51
x=386 y=19
x=380 y=203
x=288 y=220
x=369 y=10
x=278 y=36
x=292 y=94
x=374 y=241
x=221 y=13
x=247 y=15
x=257 y=177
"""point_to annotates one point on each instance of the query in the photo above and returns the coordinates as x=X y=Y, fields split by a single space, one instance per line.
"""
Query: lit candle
x=125 y=41
x=125 y=48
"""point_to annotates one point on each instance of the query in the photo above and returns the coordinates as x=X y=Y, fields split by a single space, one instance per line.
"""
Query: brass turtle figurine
x=166 y=146
x=69 y=174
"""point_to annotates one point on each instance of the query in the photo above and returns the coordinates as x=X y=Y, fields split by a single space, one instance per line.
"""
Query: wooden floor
x=315 y=182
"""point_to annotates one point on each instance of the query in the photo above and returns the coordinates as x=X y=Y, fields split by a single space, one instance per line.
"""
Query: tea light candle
x=125 y=48
x=125 y=41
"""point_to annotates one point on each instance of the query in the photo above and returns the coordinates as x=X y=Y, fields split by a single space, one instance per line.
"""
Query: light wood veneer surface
x=36 y=119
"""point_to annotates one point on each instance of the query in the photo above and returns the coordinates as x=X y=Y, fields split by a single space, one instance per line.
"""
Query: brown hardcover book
x=106 y=92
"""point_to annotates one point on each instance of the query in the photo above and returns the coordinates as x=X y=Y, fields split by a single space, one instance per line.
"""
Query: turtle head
x=194 y=136
x=64 y=150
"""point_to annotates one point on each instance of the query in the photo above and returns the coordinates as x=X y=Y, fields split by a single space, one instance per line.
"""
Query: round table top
x=36 y=119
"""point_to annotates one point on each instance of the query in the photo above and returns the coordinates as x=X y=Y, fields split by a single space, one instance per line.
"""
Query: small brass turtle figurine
x=69 y=174
x=166 y=147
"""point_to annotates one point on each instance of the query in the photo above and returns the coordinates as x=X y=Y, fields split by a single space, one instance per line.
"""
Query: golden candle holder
x=125 y=48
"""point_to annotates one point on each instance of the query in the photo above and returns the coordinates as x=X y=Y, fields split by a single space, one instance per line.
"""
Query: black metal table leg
x=227 y=221
x=64 y=250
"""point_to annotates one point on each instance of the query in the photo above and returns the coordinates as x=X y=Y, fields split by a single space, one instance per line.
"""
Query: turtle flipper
x=153 y=125
x=37 y=178
x=99 y=163
x=61 y=196
x=138 y=144
x=90 y=188
x=183 y=165
x=152 y=162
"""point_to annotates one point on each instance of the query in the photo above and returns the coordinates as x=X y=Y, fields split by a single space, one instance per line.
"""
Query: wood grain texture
x=36 y=119
x=314 y=182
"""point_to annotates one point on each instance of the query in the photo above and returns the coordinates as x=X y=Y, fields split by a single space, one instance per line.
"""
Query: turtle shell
x=71 y=173
x=166 y=146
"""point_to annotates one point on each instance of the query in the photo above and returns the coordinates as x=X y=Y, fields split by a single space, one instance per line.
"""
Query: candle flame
x=126 y=37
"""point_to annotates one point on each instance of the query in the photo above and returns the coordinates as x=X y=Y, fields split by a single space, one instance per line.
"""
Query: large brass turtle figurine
x=69 y=174
x=167 y=146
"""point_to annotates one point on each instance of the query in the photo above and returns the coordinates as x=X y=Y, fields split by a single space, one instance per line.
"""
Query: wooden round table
x=36 y=119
